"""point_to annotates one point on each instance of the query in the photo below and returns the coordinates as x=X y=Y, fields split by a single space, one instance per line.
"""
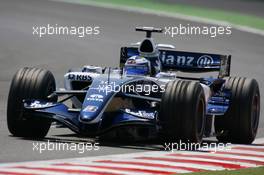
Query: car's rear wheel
x=240 y=123
x=28 y=83
x=182 y=112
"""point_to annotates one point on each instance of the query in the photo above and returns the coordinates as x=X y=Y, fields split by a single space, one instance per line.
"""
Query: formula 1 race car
x=144 y=98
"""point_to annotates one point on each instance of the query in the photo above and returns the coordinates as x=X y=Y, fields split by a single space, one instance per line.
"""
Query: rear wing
x=186 y=61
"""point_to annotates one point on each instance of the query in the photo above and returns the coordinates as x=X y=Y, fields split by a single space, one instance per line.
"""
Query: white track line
x=221 y=155
x=75 y=170
x=138 y=167
x=255 y=153
x=259 y=141
x=18 y=171
x=117 y=170
x=152 y=162
x=166 y=14
x=189 y=157
x=185 y=165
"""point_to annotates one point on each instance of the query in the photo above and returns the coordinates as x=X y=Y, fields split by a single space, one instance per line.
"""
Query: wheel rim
x=255 y=112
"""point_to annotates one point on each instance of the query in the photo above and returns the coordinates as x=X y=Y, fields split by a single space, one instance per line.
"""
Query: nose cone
x=89 y=113
x=85 y=118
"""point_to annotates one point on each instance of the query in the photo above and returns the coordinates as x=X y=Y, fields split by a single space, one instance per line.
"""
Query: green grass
x=247 y=171
x=231 y=17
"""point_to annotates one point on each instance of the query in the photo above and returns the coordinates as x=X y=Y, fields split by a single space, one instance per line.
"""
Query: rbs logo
x=79 y=77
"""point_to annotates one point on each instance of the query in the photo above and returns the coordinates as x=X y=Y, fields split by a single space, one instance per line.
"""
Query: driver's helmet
x=137 y=65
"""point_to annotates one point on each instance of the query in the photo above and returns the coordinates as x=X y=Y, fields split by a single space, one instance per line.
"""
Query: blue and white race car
x=144 y=98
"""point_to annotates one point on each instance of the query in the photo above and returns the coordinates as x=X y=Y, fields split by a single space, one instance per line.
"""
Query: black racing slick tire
x=240 y=123
x=28 y=83
x=182 y=112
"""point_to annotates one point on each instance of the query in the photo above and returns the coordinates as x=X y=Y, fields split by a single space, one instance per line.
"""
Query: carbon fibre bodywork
x=94 y=116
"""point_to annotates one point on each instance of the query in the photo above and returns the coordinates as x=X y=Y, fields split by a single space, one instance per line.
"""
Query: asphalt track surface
x=19 y=48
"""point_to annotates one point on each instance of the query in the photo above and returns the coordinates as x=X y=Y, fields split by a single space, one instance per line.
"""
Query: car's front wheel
x=28 y=83
x=182 y=111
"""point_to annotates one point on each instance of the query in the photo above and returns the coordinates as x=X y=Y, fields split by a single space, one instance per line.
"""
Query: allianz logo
x=181 y=60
